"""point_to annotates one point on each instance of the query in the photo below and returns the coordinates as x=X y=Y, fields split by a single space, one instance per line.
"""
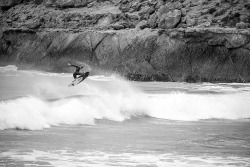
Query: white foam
x=8 y=68
x=105 y=159
x=115 y=100
x=102 y=78
x=12 y=70
x=34 y=114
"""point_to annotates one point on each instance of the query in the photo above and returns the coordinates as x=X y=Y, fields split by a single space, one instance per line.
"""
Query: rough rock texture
x=177 y=40
x=67 y=3
x=170 y=19
x=9 y=3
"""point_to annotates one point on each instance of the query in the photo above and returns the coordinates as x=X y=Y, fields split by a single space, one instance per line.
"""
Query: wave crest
x=112 y=99
x=35 y=114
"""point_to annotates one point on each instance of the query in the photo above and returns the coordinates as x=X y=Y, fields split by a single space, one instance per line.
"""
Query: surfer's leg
x=81 y=74
x=74 y=75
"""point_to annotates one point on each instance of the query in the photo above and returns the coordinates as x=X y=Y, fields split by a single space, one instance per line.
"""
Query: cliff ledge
x=147 y=40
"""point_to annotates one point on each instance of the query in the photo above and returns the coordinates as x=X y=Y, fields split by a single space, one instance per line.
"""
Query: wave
x=35 y=114
x=52 y=103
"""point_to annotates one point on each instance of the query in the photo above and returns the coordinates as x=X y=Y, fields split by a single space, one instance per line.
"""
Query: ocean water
x=108 y=121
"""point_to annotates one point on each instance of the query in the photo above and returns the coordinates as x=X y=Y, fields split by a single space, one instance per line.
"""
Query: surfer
x=77 y=71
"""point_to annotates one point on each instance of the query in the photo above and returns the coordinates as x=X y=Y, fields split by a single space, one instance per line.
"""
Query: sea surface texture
x=108 y=121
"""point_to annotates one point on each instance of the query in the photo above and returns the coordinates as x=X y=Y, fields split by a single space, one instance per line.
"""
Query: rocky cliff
x=166 y=40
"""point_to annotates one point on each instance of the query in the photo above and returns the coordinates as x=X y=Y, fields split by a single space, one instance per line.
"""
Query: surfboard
x=79 y=79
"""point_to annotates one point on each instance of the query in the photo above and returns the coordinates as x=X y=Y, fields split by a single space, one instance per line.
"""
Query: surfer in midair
x=77 y=71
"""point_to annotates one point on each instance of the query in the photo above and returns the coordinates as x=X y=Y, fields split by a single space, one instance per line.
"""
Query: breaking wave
x=116 y=101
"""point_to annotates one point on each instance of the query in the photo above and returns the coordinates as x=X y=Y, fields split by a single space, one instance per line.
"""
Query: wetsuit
x=77 y=71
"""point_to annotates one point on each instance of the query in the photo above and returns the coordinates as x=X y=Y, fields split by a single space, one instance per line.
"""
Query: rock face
x=67 y=3
x=9 y=3
x=170 y=19
x=186 y=40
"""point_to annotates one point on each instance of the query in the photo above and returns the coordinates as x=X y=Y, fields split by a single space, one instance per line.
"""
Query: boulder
x=79 y=3
x=38 y=2
x=144 y=10
x=229 y=41
x=242 y=25
x=183 y=11
x=219 y=41
x=117 y=26
x=178 y=5
x=196 y=2
x=9 y=3
x=66 y=3
x=153 y=21
x=247 y=46
x=33 y=24
x=143 y=24
x=236 y=40
x=170 y=20
x=125 y=7
x=151 y=10
x=105 y=21
x=190 y=21
x=162 y=10
x=186 y=2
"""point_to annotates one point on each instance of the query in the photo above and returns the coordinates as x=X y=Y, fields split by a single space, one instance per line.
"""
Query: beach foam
x=105 y=159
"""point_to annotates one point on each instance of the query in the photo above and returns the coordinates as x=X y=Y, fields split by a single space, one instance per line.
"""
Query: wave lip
x=35 y=114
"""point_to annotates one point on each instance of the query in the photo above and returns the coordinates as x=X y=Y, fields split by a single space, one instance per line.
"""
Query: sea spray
x=35 y=114
x=49 y=102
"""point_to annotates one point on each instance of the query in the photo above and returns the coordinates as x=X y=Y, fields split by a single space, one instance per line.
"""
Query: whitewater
x=108 y=121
